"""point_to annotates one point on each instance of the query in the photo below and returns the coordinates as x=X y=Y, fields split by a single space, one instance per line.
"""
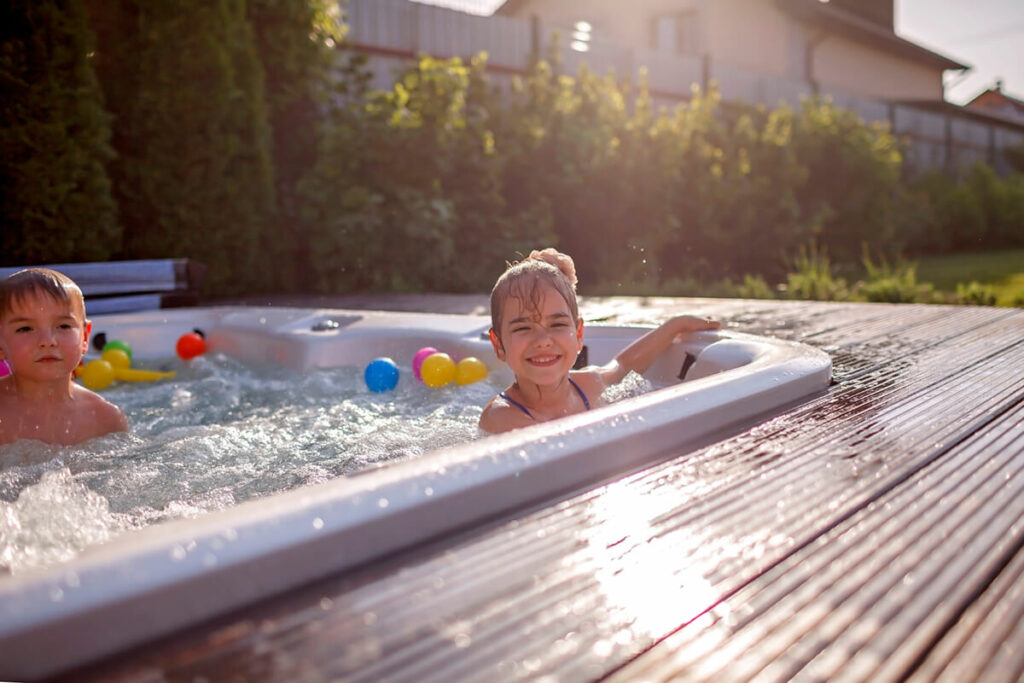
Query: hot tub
x=148 y=583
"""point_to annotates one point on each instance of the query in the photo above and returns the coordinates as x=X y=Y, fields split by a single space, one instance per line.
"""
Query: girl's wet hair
x=34 y=281
x=523 y=281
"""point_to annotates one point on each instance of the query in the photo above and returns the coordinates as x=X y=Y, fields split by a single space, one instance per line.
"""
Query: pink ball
x=418 y=359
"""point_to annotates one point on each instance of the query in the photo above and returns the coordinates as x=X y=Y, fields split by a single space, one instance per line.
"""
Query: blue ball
x=381 y=374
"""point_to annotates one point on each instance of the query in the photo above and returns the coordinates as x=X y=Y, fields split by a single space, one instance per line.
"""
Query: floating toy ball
x=417 y=360
x=5 y=368
x=118 y=344
x=437 y=370
x=469 y=370
x=190 y=345
x=96 y=374
x=381 y=374
x=116 y=357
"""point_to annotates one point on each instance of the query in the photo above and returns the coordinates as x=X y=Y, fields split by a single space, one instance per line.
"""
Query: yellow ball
x=469 y=370
x=437 y=370
x=97 y=374
x=117 y=358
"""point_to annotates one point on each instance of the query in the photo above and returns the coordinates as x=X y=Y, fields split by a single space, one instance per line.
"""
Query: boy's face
x=43 y=338
x=539 y=346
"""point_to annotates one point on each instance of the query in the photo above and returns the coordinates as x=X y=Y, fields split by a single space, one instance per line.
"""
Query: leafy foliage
x=247 y=136
x=55 y=194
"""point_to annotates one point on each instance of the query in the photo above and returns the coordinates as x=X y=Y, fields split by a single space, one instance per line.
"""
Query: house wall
x=754 y=35
x=855 y=68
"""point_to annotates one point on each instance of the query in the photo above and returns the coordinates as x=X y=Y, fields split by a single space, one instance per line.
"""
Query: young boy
x=43 y=335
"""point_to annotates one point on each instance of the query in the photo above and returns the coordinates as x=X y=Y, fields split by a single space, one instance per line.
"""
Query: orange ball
x=190 y=345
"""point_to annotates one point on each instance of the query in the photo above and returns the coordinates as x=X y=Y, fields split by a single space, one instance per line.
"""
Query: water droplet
x=56 y=594
x=382 y=503
x=429 y=491
x=318 y=523
x=178 y=553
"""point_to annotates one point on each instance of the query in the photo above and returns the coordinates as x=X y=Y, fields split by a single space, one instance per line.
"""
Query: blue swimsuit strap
x=523 y=408
x=517 y=404
x=580 y=392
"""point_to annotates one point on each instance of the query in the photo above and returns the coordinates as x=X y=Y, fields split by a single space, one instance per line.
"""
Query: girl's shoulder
x=590 y=379
x=500 y=415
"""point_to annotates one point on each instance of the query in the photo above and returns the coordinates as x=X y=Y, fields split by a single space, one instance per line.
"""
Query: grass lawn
x=1003 y=271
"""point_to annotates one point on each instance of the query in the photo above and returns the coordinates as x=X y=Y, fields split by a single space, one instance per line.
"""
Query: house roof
x=849 y=24
x=998 y=103
x=510 y=7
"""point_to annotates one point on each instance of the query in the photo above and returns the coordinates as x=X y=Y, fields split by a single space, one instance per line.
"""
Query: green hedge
x=237 y=133
x=55 y=194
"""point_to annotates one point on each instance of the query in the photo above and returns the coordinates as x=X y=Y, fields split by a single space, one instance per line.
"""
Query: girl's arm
x=639 y=355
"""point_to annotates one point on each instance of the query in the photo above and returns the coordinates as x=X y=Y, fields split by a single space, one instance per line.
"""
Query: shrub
x=55 y=194
x=193 y=174
x=894 y=284
x=974 y=294
x=853 y=173
x=811 y=277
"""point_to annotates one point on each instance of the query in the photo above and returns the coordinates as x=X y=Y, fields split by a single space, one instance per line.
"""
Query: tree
x=55 y=195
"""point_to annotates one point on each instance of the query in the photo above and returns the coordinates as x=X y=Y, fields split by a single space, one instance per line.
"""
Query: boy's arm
x=639 y=355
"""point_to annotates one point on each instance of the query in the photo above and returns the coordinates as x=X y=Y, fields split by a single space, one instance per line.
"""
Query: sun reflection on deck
x=646 y=579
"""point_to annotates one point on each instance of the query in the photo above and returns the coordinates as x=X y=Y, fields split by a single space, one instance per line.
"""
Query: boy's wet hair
x=34 y=281
x=523 y=281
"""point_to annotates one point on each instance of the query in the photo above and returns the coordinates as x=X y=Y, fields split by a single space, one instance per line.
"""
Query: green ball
x=118 y=344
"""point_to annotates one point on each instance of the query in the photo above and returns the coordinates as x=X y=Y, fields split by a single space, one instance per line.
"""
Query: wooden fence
x=391 y=32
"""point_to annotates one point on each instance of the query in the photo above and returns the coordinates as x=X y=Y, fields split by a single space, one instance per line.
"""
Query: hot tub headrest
x=722 y=355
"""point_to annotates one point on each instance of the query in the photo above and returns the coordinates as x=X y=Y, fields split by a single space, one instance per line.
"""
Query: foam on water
x=220 y=433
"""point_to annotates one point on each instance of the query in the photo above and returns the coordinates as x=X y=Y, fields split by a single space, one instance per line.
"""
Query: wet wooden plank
x=783 y=549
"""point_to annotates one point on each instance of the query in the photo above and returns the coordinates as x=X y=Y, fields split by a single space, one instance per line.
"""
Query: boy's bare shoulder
x=101 y=413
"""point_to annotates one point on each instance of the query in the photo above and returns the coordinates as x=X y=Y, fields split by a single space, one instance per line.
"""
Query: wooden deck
x=871 y=534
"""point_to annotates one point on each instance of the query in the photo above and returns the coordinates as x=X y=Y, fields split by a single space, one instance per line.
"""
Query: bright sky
x=986 y=34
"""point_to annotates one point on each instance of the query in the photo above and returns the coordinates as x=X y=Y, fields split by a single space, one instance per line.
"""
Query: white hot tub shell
x=149 y=583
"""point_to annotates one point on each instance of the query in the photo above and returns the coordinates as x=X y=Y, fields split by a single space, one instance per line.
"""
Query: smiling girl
x=537 y=330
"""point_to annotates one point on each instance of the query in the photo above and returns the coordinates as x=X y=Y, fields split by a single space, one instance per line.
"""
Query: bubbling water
x=220 y=433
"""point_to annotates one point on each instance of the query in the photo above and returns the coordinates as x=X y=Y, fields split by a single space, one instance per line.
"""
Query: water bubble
x=382 y=503
x=318 y=523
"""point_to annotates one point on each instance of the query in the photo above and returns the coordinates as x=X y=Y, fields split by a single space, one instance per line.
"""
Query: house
x=998 y=104
x=836 y=46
